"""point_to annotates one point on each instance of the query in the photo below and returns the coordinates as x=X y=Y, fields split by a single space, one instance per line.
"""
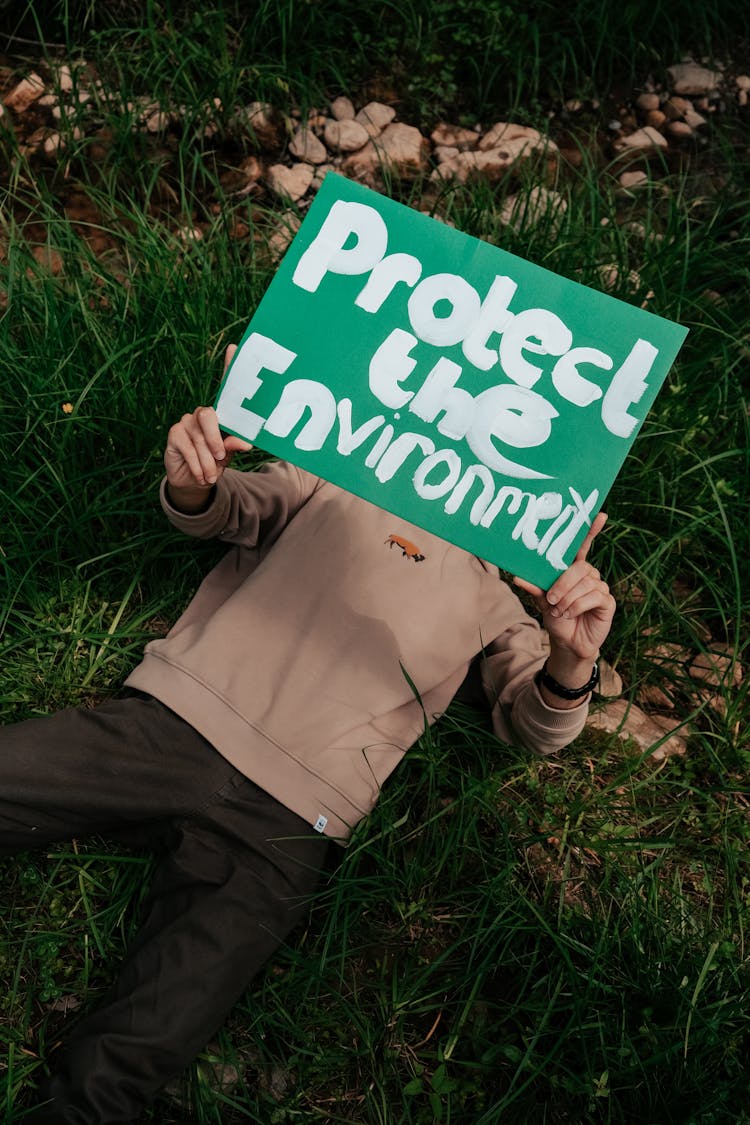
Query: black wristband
x=543 y=677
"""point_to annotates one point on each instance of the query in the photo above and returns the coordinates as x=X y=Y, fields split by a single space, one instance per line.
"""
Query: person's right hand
x=197 y=453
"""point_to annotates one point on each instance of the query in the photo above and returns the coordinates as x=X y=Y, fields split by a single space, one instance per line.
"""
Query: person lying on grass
x=262 y=727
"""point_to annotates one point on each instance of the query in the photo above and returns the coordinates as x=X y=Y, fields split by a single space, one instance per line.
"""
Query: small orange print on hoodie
x=409 y=550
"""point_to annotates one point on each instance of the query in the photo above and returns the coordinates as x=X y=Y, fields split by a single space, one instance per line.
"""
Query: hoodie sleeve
x=519 y=713
x=247 y=509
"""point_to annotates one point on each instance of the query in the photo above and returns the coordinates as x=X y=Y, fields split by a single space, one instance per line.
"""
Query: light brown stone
x=669 y=656
x=655 y=698
x=651 y=733
x=286 y=227
x=454 y=136
x=374 y=117
x=345 y=135
x=612 y=278
x=444 y=152
x=304 y=145
x=263 y=122
x=319 y=175
x=504 y=133
x=400 y=148
x=25 y=93
x=539 y=205
x=675 y=108
x=690 y=78
x=656 y=118
x=644 y=140
x=157 y=121
x=64 y=79
x=631 y=180
x=693 y=119
x=717 y=668
x=610 y=681
x=290 y=183
x=492 y=165
x=49 y=259
x=342 y=109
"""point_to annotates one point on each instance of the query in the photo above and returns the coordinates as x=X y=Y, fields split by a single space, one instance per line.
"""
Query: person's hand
x=577 y=612
x=197 y=453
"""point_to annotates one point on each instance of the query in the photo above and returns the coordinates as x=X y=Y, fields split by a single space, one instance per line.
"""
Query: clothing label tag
x=320 y=823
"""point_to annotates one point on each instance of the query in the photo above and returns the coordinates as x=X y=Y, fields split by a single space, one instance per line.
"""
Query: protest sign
x=456 y=385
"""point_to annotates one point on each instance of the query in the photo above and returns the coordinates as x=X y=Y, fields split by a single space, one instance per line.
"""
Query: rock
x=319 y=175
x=346 y=135
x=631 y=180
x=453 y=136
x=263 y=122
x=374 y=117
x=675 y=108
x=572 y=156
x=492 y=164
x=241 y=181
x=64 y=79
x=655 y=698
x=693 y=119
x=656 y=118
x=650 y=732
x=400 y=148
x=49 y=259
x=646 y=140
x=342 y=109
x=290 y=183
x=717 y=668
x=610 y=681
x=690 y=78
x=539 y=205
x=52 y=144
x=287 y=226
x=647 y=102
x=611 y=278
x=444 y=152
x=25 y=93
x=504 y=133
x=670 y=657
x=157 y=121
x=304 y=145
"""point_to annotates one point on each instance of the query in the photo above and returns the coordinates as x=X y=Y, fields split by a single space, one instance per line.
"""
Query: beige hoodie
x=315 y=652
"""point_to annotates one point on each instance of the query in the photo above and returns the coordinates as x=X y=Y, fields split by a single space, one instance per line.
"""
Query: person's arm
x=196 y=456
x=577 y=613
x=202 y=499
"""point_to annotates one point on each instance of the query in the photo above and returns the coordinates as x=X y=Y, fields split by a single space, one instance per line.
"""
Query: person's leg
x=128 y=764
x=236 y=879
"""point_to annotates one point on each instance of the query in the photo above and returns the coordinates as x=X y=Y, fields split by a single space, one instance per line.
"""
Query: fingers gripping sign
x=578 y=608
x=197 y=453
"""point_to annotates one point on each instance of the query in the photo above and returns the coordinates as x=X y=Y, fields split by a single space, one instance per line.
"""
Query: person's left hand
x=578 y=609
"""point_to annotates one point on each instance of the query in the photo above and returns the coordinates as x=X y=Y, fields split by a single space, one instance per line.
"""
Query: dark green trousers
x=235 y=873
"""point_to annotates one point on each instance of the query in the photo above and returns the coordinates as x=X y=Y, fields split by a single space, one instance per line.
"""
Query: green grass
x=506 y=940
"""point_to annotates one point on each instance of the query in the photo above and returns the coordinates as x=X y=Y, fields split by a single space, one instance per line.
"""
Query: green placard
x=456 y=385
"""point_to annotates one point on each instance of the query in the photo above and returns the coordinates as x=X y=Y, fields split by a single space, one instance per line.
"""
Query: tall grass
x=506 y=940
